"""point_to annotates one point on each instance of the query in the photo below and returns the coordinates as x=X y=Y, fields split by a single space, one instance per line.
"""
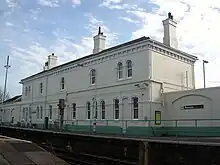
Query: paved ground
x=20 y=152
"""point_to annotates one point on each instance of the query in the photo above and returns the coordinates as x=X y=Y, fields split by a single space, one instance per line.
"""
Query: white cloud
x=120 y=5
x=197 y=31
x=31 y=58
x=127 y=19
x=9 y=24
x=76 y=3
x=93 y=28
x=49 y=3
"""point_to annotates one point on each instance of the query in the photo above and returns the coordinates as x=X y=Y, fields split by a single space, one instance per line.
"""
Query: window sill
x=62 y=90
x=124 y=79
x=92 y=85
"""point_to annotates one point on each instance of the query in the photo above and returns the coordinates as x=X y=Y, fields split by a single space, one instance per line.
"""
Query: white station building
x=135 y=81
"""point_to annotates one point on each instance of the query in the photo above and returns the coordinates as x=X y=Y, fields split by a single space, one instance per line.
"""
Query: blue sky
x=32 y=29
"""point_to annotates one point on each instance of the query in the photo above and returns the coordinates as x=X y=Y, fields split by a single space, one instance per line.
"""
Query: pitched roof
x=93 y=55
x=13 y=99
x=144 y=38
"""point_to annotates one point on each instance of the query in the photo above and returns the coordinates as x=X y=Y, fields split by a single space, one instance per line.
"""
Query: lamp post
x=7 y=66
x=204 y=78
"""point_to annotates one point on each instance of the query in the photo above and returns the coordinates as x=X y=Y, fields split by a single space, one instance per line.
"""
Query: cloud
x=196 y=29
x=49 y=3
x=127 y=19
x=93 y=28
x=9 y=24
x=29 y=58
x=30 y=32
x=120 y=5
x=76 y=3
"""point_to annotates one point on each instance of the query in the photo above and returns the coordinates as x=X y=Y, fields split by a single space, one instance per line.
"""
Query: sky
x=30 y=30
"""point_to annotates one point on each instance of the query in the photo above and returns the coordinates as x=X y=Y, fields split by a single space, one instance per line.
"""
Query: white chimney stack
x=52 y=62
x=99 y=42
x=170 y=38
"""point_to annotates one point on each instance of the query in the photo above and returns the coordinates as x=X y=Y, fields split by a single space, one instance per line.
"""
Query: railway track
x=83 y=158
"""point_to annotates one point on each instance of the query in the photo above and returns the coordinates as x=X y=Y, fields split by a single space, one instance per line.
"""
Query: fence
x=182 y=127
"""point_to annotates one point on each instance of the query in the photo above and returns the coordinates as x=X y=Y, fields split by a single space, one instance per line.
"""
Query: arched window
x=95 y=109
x=29 y=90
x=74 y=110
x=103 y=109
x=62 y=83
x=116 y=108
x=26 y=91
x=41 y=88
x=50 y=111
x=129 y=68
x=135 y=107
x=93 y=76
x=88 y=107
x=120 y=70
x=38 y=112
x=41 y=112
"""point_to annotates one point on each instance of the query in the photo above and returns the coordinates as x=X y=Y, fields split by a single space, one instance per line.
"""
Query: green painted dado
x=147 y=131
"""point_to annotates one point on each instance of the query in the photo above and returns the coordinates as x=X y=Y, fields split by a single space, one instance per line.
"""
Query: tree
x=7 y=96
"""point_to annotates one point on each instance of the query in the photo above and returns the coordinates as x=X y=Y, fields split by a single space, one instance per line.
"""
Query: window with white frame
x=116 y=108
x=26 y=91
x=41 y=88
x=95 y=105
x=38 y=112
x=29 y=90
x=62 y=83
x=120 y=70
x=74 y=110
x=102 y=109
x=135 y=107
x=129 y=68
x=41 y=112
x=88 y=106
x=93 y=76
x=30 y=112
x=50 y=111
x=23 y=113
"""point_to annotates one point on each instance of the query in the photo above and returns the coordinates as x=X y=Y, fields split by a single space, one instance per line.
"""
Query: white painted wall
x=9 y=111
x=210 y=97
x=148 y=66
x=174 y=73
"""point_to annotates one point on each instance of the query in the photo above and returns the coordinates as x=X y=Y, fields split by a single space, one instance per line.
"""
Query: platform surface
x=20 y=152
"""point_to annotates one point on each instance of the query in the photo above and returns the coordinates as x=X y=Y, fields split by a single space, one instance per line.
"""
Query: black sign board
x=200 y=106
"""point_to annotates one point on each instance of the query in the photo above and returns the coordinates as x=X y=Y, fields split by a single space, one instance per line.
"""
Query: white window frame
x=50 y=112
x=29 y=90
x=62 y=83
x=135 y=109
x=120 y=70
x=93 y=77
x=103 y=107
x=41 y=112
x=129 y=68
x=88 y=110
x=116 y=109
x=26 y=91
x=41 y=88
x=38 y=112
x=73 y=111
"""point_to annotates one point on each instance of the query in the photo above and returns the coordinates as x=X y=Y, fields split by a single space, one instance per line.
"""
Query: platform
x=204 y=141
x=20 y=152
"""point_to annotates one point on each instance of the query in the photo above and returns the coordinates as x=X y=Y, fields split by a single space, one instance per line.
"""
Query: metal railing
x=178 y=127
